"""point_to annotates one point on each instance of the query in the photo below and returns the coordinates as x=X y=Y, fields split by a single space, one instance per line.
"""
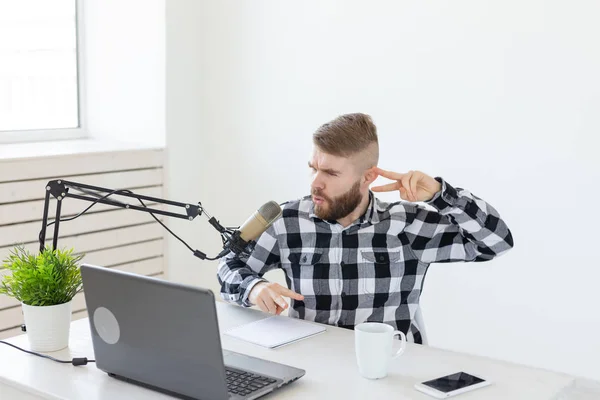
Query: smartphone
x=451 y=385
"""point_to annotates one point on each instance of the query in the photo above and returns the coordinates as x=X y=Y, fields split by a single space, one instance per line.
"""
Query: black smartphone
x=452 y=385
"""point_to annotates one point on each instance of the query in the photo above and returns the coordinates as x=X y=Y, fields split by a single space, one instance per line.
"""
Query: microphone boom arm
x=60 y=190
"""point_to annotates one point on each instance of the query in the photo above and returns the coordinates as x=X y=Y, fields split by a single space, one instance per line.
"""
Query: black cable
x=75 y=361
x=177 y=237
x=94 y=193
x=164 y=226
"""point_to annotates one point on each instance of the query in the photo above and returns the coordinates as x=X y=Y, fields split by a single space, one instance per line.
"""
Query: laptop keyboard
x=244 y=383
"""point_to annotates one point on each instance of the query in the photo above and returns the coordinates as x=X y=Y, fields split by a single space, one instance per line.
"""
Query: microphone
x=252 y=228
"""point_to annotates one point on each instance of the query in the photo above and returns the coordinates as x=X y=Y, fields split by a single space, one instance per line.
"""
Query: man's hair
x=348 y=135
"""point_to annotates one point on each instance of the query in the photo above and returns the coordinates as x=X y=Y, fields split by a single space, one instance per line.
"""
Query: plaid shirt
x=372 y=270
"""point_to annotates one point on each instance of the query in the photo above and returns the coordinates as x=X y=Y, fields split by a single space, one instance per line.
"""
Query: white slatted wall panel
x=109 y=236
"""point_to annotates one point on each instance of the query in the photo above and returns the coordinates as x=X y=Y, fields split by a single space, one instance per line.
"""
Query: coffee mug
x=373 y=344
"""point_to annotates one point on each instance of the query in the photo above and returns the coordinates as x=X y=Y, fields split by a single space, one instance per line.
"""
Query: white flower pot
x=48 y=326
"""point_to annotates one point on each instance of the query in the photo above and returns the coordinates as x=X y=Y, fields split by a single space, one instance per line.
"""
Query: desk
x=328 y=359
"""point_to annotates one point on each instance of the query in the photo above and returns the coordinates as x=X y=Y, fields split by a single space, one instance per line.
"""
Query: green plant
x=52 y=277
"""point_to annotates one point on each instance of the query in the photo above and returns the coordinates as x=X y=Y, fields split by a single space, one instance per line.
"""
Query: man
x=349 y=257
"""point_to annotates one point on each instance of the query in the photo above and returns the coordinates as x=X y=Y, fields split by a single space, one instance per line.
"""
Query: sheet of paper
x=275 y=331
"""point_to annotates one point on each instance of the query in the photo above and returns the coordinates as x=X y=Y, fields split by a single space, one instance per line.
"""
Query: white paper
x=275 y=331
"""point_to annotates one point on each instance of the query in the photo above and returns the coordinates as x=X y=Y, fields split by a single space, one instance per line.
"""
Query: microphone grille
x=270 y=211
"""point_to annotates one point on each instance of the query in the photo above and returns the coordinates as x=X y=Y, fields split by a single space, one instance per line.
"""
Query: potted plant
x=45 y=284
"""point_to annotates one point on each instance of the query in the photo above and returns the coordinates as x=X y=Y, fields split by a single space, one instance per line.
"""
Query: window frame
x=80 y=132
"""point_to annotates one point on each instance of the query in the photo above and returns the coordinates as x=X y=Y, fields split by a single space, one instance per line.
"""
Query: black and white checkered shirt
x=372 y=270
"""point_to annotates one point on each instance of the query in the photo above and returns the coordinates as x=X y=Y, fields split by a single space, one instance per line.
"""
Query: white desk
x=328 y=359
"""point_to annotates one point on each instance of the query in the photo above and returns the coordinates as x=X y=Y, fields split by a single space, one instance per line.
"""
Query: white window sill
x=19 y=151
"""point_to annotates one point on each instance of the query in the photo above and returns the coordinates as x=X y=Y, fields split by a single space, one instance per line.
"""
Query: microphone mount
x=235 y=244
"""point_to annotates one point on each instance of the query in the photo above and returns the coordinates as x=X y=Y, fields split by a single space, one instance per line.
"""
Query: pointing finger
x=386 y=188
x=290 y=293
x=389 y=174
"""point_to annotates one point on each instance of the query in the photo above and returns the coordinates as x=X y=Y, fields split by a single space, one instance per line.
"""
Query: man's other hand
x=268 y=297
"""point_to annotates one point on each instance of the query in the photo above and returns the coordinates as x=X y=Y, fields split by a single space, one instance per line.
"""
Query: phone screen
x=453 y=382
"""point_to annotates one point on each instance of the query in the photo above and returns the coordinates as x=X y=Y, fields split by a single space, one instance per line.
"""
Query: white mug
x=373 y=344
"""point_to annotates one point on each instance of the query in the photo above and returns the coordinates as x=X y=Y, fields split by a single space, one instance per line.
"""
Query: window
x=39 y=71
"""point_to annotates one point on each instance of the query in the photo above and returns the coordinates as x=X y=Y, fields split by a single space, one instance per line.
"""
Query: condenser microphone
x=252 y=228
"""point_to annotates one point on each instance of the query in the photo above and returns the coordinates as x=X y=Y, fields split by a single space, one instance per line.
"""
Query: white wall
x=497 y=97
x=124 y=70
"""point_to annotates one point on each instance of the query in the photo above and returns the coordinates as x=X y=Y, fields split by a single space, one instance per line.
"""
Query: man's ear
x=370 y=175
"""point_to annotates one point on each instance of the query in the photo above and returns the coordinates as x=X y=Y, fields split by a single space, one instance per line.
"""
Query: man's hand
x=413 y=186
x=267 y=296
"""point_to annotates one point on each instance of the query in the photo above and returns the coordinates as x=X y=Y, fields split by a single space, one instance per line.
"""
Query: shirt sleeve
x=237 y=274
x=462 y=228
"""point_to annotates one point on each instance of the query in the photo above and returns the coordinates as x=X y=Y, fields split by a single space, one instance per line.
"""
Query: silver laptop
x=165 y=336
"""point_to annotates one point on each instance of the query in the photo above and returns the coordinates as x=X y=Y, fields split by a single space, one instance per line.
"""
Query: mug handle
x=402 y=346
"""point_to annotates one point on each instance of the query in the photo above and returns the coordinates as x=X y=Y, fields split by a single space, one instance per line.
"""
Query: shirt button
x=342 y=263
x=343 y=293
x=381 y=258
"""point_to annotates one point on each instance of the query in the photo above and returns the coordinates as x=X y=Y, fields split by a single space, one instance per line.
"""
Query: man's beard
x=339 y=207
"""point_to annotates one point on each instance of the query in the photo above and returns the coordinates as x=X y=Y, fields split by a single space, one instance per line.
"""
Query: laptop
x=165 y=336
